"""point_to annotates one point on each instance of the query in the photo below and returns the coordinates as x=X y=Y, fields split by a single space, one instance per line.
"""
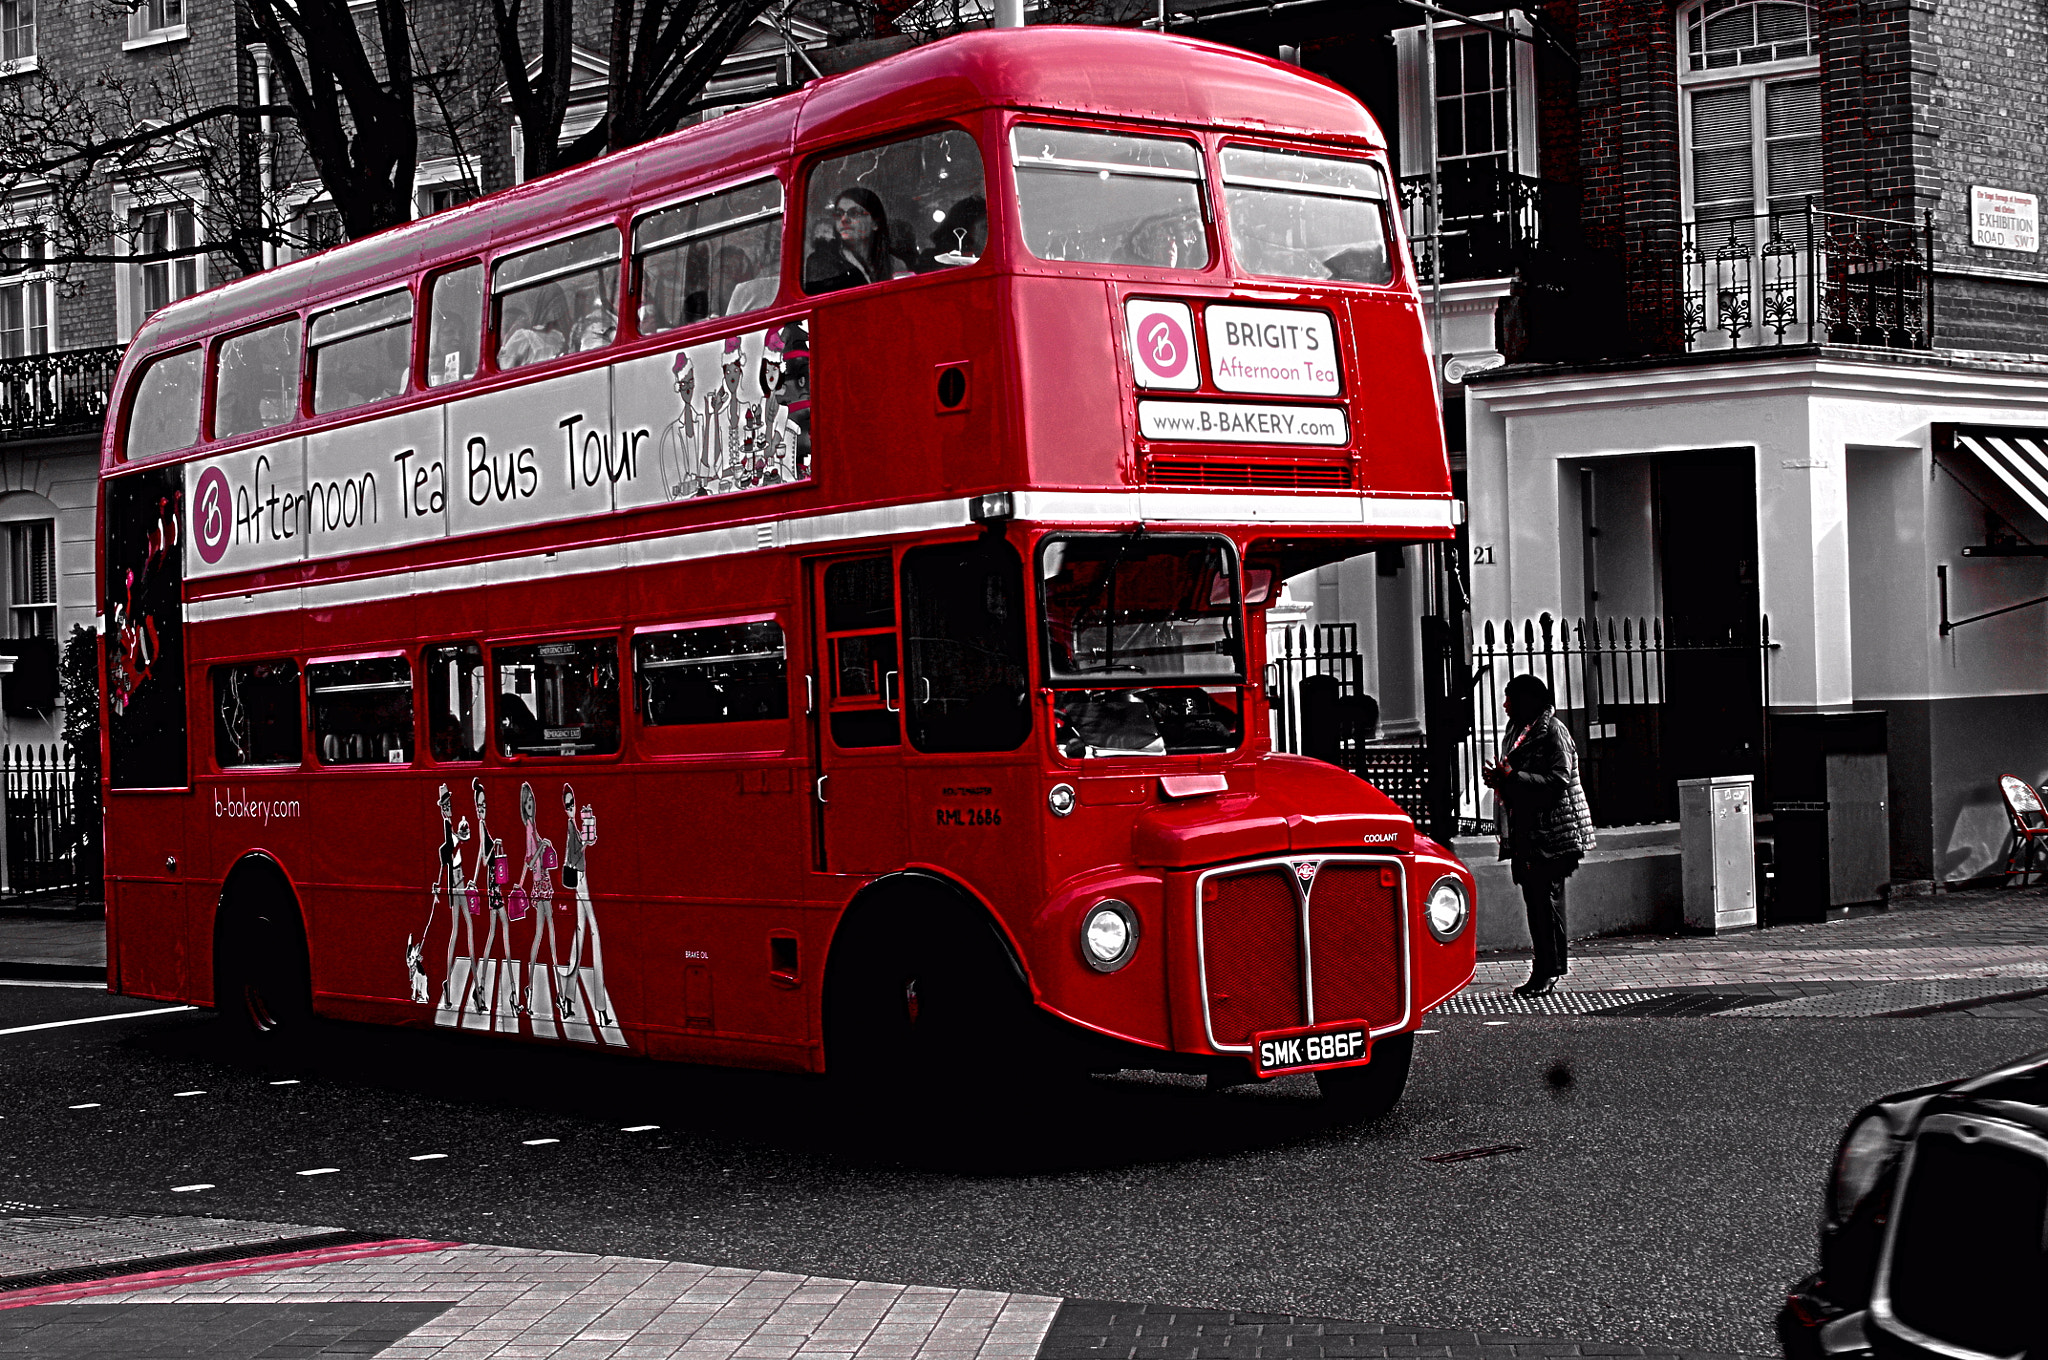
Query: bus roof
x=1115 y=73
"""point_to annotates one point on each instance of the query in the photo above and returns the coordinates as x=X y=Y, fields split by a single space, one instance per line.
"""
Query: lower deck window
x=256 y=714
x=723 y=674
x=456 y=683
x=362 y=710
x=558 y=698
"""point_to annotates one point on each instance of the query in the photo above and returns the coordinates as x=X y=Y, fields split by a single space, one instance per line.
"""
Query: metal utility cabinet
x=1717 y=847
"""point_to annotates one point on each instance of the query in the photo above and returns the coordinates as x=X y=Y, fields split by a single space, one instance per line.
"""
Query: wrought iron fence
x=1320 y=708
x=1494 y=223
x=1803 y=276
x=48 y=845
x=60 y=393
x=1646 y=705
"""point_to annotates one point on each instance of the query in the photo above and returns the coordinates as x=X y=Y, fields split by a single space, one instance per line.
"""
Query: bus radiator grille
x=1355 y=935
x=1319 y=476
x=1251 y=954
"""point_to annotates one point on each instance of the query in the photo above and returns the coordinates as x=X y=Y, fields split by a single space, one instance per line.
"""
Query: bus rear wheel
x=1357 y=1094
x=263 y=980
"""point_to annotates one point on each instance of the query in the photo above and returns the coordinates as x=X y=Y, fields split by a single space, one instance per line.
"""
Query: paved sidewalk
x=417 y=1300
x=1958 y=951
x=39 y=947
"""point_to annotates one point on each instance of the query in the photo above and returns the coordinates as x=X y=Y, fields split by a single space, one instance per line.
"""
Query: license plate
x=1306 y=1050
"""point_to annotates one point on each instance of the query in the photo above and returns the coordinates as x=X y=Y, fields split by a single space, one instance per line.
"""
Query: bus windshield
x=1142 y=644
x=1306 y=217
x=1110 y=198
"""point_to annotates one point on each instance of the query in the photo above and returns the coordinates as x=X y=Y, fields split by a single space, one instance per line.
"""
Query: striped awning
x=2016 y=455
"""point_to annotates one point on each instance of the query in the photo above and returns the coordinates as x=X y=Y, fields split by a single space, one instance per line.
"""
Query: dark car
x=1932 y=1246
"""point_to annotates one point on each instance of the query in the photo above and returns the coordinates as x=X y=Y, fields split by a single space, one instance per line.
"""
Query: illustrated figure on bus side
x=676 y=449
x=537 y=888
x=492 y=878
x=448 y=887
x=576 y=843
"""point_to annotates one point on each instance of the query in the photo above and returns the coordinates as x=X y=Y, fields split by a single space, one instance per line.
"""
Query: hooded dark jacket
x=1541 y=806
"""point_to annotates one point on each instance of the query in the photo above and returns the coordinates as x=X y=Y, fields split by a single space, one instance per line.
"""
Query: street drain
x=1467 y=1154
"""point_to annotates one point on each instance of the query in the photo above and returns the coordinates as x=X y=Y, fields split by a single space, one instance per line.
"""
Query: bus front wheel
x=263 y=981
x=1356 y=1094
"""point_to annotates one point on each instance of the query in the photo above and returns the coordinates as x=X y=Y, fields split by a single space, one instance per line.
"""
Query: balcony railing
x=1803 y=276
x=54 y=394
x=1495 y=224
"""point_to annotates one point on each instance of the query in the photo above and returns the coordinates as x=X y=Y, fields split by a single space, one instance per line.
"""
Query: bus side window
x=556 y=299
x=966 y=655
x=360 y=352
x=256 y=714
x=728 y=673
x=455 y=325
x=165 y=416
x=256 y=380
x=888 y=212
x=362 y=710
x=716 y=256
x=558 y=698
x=456 y=704
x=860 y=653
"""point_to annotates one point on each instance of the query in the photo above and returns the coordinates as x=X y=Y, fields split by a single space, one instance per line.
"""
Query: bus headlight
x=1109 y=935
x=1447 y=910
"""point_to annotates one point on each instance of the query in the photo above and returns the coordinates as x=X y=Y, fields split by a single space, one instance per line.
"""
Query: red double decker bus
x=791 y=594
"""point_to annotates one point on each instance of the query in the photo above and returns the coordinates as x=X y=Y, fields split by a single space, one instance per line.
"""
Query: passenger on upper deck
x=542 y=334
x=859 y=251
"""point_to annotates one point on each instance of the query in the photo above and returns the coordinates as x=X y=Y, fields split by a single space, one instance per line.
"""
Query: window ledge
x=21 y=66
x=176 y=33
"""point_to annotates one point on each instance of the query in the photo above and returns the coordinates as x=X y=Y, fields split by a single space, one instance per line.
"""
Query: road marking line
x=184 y=1189
x=639 y=1128
x=1496 y=1022
x=97 y=1019
x=89 y=1105
x=288 y=1081
x=321 y=1171
x=52 y=982
x=429 y=1157
x=536 y=1142
x=188 y=1093
x=1428 y=1031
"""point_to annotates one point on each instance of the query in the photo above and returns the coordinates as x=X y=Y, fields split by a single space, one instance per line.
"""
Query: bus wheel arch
x=920 y=973
x=262 y=971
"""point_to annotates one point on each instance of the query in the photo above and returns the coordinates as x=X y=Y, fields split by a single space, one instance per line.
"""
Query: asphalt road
x=1666 y=1191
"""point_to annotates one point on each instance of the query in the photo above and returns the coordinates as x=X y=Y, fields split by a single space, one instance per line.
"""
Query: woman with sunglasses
x=858 y=249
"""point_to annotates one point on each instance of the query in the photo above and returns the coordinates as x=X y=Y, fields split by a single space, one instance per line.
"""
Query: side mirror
x=1258 y=587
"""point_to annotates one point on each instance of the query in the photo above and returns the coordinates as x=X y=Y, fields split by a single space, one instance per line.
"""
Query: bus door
x=857 y=778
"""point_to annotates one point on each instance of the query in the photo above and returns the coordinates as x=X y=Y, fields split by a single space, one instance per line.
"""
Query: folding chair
x=2029 y=826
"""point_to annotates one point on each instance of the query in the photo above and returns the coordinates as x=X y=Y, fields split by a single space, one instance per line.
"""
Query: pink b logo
x=212 y=516
x=1162 y=345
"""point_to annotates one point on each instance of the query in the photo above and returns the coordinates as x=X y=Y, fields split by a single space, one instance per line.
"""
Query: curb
x=238 y=1265
x=41 y=970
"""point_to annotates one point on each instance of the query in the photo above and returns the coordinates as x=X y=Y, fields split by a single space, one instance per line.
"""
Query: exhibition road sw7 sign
x=2005 y=219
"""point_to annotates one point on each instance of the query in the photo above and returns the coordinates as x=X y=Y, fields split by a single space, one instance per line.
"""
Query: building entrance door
x=1707 y=551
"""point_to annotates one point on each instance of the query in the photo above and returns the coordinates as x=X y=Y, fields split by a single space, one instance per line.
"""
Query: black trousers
x=1543 y=894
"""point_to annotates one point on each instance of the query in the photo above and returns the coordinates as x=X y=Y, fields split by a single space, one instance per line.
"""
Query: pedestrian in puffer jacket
x=1545 y=825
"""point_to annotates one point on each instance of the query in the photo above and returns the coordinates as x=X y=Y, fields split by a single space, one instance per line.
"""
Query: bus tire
x=263 y=982
x=920 y=992
x=1358 y=1094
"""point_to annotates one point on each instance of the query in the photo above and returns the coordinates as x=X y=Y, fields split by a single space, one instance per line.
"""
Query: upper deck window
x=360 y=352
x=715 y=256
x=455 y=324
x=892 y=211
x=256 y=380
x=1110 y=198
x=1297 y=216
x=165 y=416
x=557 y=299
